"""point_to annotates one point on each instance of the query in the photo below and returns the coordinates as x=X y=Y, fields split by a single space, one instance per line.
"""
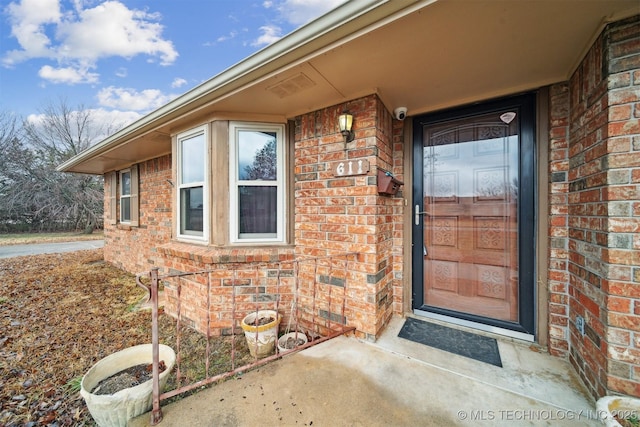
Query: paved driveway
x=48 y=248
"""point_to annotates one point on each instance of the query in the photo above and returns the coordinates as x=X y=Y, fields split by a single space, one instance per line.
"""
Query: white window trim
x=279 y=129
x=112 y=178
x=125 y=196
x=192 y=237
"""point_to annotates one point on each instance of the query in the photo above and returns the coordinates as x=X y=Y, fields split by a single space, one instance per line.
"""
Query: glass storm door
x=473 y=214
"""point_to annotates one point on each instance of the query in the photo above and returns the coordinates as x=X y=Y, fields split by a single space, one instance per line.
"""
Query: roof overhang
x=424 y=55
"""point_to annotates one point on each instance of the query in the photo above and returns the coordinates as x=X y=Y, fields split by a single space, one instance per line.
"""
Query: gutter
x=251 y=68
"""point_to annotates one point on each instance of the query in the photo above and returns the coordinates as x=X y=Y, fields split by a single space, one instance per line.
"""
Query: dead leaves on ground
x=59 y=314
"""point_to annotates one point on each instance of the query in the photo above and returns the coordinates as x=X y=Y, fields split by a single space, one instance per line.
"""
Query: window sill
x=226 y=255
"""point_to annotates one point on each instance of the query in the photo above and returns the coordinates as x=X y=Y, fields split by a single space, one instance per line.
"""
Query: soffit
x=445 y=54
x=151 y=145
x=428 y=56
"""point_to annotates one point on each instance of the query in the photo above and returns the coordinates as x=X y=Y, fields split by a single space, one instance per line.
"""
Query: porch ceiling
x=422 y=55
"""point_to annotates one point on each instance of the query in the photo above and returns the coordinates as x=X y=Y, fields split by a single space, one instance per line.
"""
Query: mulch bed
x=60 y=314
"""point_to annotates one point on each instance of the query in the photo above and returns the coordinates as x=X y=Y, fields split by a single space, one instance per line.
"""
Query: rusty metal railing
x=312 y=287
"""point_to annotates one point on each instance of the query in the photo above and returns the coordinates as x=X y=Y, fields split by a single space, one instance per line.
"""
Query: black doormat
x=464 y=343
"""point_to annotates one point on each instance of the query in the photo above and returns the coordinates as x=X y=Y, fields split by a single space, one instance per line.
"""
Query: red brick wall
x=558 y=274
x=603 y=216
x=622 y=197
x=587 y=179
x=138 y=249
x=346 y=214
x=235 y=284
x=134 y=248
x=333 y=215
x=398 y=254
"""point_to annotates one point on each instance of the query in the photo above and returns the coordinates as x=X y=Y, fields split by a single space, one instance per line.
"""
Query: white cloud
x=270 y=34
x=114 y=119
x=121 y=72
x=231 y=35
x=28 y=20
x=178 y=82
x=130 y=33
x=83 y=36
x=295 y=13
x=131 y=99
x=67 y=75
x=299 y=12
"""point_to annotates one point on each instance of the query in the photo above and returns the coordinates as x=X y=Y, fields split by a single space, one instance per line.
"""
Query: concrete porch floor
x=392 y=382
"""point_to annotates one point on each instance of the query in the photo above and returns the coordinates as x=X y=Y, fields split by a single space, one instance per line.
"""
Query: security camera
x=400 y=113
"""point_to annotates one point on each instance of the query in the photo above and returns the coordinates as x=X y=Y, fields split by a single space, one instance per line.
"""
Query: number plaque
x=350 y=167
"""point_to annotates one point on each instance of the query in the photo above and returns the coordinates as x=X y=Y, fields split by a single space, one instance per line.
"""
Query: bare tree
x=8 y=129
x=12 y=155
x=35 y=193
x=61 y=132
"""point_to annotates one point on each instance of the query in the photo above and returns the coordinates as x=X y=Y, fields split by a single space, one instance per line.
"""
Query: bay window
x=256 y=182
x=192 y=164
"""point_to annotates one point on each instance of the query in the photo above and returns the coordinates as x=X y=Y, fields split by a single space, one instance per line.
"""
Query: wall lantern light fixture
x=345 y=122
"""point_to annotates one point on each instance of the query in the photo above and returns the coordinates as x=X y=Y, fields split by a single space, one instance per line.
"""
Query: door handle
x=418 y=213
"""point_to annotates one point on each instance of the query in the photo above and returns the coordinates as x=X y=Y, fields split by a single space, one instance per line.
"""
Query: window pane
x=258 y=210
x=191 y=210
x=125 y=178
x=257 y=156
x=125 y=209
x=192 y=158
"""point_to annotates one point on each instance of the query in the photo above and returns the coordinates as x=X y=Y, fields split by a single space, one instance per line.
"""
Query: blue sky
x=124 y=58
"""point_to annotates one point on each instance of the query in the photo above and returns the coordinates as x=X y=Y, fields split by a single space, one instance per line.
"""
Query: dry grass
x=61 y=313
x=27 y=238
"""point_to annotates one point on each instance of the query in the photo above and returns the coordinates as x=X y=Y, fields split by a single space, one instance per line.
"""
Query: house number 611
x=350 y=168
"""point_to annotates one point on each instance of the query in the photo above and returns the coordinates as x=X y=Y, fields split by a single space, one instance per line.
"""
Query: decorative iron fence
x=308 y=295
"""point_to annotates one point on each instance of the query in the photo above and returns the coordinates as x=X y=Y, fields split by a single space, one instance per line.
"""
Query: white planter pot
x=623 y=406
x=114 y=410
x=261 y=339
x=282 y=341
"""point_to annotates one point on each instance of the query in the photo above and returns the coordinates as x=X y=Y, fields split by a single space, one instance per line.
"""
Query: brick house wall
x=346 y=214
x=231 y=288
x=558 y=274
x=332 y=215
x=594 y=226
x=594 y=218
x=134 y=249
x=622 y=198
